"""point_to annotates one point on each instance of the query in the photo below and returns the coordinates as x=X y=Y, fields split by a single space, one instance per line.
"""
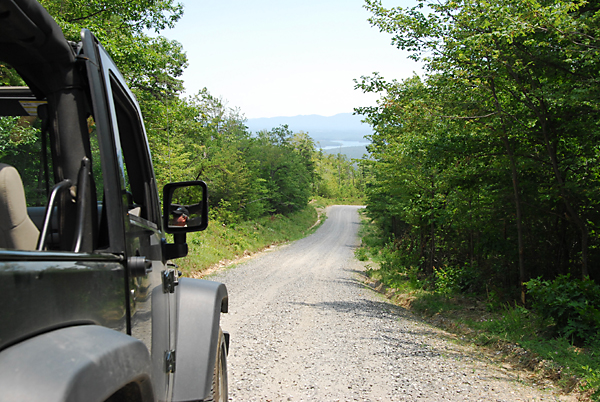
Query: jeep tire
x=218 y=392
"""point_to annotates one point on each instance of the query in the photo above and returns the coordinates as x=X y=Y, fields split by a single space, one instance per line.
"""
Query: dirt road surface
x=304 y=328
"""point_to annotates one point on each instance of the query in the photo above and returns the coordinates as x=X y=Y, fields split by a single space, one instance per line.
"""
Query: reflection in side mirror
x=185 y=207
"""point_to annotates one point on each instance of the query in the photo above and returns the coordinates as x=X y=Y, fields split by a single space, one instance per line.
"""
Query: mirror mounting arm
x=179 y=238
x=175 y=250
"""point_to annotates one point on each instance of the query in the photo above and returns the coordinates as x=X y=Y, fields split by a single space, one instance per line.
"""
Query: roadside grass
x=220 y=243
x=513 y=334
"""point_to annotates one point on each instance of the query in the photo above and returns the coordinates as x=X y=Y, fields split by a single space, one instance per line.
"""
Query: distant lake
x=345 y=144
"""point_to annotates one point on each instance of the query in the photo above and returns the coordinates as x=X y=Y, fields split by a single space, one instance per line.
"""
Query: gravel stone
x=305 y=328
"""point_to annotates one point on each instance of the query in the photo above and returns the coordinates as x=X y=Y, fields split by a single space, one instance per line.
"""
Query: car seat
x=17 y=230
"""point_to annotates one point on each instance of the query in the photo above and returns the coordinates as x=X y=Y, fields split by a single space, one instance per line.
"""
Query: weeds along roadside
x=515 y=336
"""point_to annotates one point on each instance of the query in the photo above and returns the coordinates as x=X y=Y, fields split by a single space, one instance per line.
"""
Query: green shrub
x=573 y=305
x=591 y=379
x=361 y=254
x=447 y=279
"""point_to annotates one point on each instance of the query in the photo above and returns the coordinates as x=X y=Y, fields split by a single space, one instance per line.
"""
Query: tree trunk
x=432 y=231
x=471 y=241
x=542 y=114
x=579 y=222
x=516 y=194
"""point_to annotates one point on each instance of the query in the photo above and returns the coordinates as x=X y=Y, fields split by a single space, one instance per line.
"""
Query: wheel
x=218 y=391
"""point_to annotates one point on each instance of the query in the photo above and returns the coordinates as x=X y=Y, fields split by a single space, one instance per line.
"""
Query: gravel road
x=304 y=328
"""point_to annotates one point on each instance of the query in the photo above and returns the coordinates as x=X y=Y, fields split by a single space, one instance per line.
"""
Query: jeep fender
x=199 y=307
x=82 y=363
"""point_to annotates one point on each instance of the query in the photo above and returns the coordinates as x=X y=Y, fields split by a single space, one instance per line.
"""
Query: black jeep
x=92 y=308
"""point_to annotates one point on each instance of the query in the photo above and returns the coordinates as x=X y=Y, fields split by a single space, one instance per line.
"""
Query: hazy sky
x=286 y=58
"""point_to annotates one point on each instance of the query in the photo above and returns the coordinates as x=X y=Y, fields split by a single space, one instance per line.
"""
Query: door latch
x=170 y=361
x=170 y=280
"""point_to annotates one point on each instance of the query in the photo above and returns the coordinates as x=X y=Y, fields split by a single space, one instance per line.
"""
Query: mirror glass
x=184 y=210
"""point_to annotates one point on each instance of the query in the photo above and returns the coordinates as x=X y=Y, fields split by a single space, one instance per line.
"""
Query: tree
x=284 y=168
x=148 y=63
x=513 y=87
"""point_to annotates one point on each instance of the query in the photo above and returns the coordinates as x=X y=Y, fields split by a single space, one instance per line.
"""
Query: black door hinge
x=170 y=280
x=170 y=361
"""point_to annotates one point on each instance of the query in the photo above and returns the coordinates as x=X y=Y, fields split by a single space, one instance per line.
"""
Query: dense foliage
x=486 y=170
x=249 y=174
x=573 y=305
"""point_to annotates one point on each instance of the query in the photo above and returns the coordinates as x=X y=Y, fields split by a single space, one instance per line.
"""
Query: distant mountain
x=340 y=127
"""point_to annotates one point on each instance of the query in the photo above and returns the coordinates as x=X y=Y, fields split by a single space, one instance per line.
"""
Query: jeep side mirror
x=185 y=209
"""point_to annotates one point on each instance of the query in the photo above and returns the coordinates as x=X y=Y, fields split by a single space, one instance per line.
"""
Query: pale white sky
x=286 y=58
